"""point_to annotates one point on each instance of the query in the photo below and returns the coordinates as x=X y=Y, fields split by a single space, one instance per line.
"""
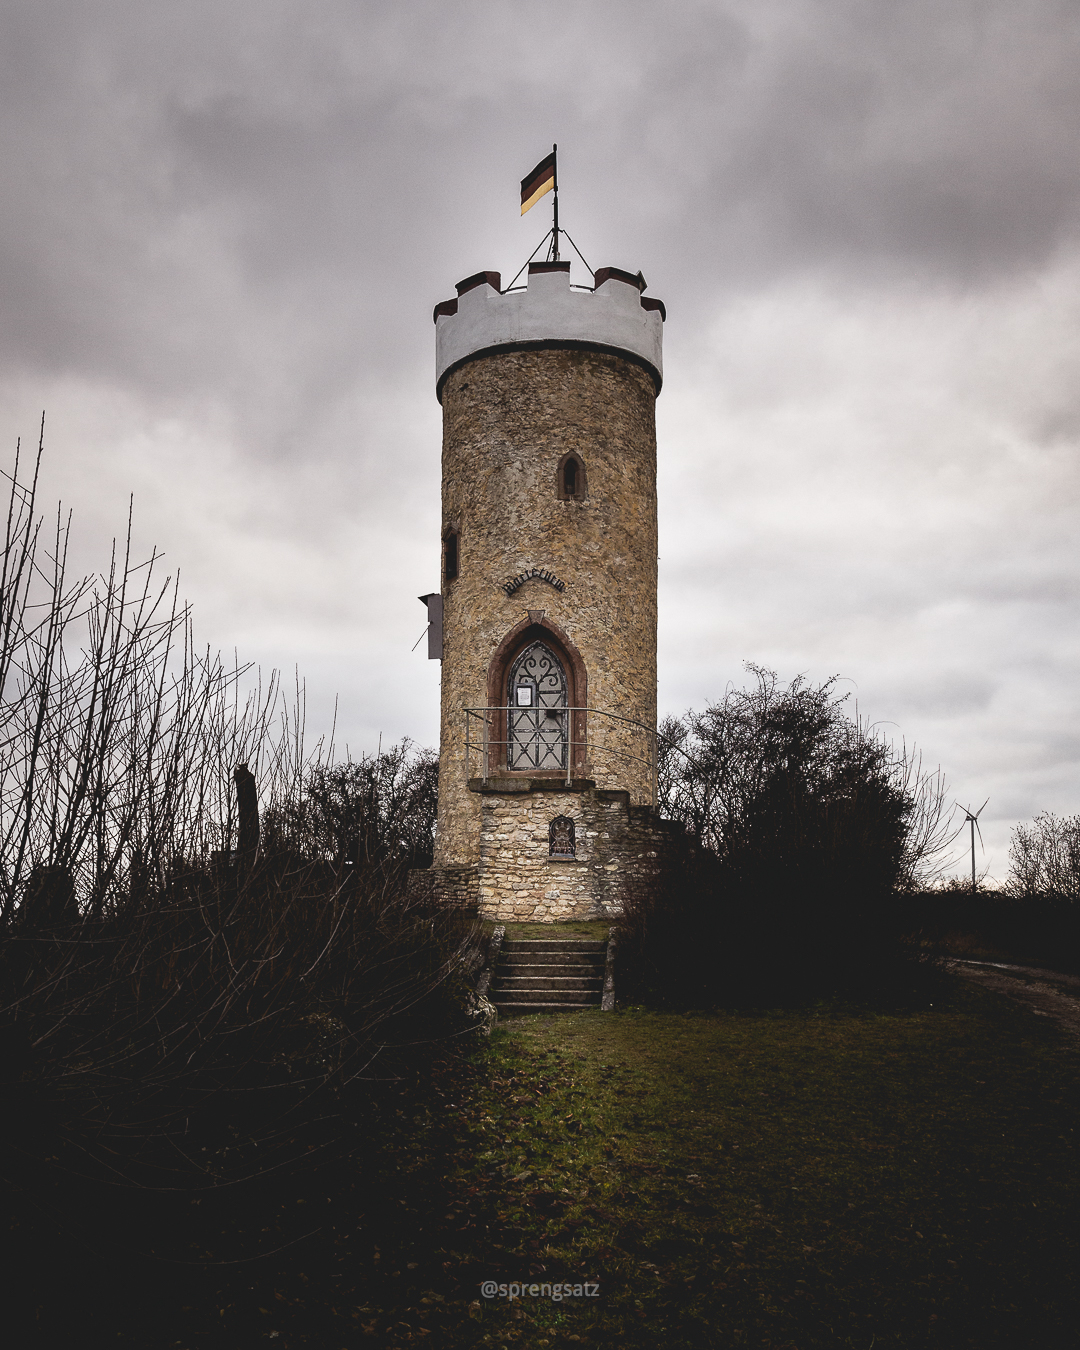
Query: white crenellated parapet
x=615 y=316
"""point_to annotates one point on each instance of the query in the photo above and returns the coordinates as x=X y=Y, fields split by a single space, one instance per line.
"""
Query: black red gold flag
x=536 y=184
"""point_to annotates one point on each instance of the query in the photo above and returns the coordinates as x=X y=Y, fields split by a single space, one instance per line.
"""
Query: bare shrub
x=719 y=768
x=118 y=736
x=805 y=824
x=1044 y=860
x=377 y=812
x=167 y=970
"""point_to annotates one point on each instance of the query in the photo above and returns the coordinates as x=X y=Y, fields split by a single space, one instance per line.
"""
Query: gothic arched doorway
x=536 y=699
x=534 y=630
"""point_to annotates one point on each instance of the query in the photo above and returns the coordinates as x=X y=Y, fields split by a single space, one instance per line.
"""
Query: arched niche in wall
x=562 y=842
x=571 y=485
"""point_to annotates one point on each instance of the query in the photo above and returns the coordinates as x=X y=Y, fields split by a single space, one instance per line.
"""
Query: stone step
x=549 y=982
x=548 y=975
x=546 y=972
x=553 y=959
x=539 y=977
x=566 y=945
x=542 y=971
x=583 y=996
x=518 y=1009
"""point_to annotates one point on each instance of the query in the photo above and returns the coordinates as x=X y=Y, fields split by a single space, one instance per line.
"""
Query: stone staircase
x=549 y=975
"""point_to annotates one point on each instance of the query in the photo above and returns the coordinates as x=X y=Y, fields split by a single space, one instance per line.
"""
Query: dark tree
x=1044 y=860
x=802 y=826
x=375 y=814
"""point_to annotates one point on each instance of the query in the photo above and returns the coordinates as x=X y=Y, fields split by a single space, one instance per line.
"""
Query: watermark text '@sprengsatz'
x=556 y=1292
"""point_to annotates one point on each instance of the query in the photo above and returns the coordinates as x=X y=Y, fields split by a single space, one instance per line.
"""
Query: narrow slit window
x=450 y=555
x=571 y=484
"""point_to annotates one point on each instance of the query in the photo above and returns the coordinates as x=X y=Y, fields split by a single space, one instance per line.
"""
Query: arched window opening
x=571 y=479
x=450 y=555
x=561 y=842
x=536 y=710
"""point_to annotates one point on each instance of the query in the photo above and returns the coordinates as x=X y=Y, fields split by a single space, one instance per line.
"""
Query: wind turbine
x=973 y=821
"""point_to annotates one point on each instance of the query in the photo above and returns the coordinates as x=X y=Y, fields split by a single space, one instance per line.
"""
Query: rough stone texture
x=508 y=419
x=450 y=885
x=621 y=851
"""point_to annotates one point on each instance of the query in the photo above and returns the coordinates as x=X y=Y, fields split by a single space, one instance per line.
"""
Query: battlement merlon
x=614 y=317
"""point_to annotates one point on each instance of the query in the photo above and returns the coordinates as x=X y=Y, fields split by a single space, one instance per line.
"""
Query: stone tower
x=548 y=597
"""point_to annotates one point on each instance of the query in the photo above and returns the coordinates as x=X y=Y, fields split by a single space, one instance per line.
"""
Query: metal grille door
x=537 y=717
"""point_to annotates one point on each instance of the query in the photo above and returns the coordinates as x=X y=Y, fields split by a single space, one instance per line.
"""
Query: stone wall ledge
x=501 y=786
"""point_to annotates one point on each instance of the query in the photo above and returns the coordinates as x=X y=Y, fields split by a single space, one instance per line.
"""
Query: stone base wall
x=621 y=850
x=448 y=885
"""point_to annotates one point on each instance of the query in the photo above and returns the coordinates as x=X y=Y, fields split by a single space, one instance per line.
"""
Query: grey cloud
x=194 y=162
x=225 y=227
x=942 y=137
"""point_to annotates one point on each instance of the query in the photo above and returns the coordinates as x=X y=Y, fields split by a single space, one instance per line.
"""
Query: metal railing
x=590 y=732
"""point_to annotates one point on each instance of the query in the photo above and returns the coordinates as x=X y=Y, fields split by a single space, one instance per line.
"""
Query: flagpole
x=555 y=157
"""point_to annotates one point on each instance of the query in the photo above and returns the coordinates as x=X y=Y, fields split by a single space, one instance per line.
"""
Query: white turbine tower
x=973 y=821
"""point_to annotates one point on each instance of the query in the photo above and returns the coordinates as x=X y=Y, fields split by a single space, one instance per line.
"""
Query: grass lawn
x=595 y=929
x=823 y=1178
x=788 y=1179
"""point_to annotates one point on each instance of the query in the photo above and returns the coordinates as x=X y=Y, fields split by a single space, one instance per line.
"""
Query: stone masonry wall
x=508 y=419
x=621 y=850
x=446 y=885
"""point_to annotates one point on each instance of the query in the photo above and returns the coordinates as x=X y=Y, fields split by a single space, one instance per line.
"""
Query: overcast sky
x=225 y=226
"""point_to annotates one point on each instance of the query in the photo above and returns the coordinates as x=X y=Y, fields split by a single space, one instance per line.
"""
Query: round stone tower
x=547 y=753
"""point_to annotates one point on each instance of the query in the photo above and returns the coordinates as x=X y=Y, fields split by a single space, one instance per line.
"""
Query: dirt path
x=1047 y=993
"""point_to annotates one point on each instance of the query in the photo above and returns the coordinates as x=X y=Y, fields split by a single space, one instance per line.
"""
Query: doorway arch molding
x=522 y=635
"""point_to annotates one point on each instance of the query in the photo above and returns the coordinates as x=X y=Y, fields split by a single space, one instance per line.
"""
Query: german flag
x=536 y=184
